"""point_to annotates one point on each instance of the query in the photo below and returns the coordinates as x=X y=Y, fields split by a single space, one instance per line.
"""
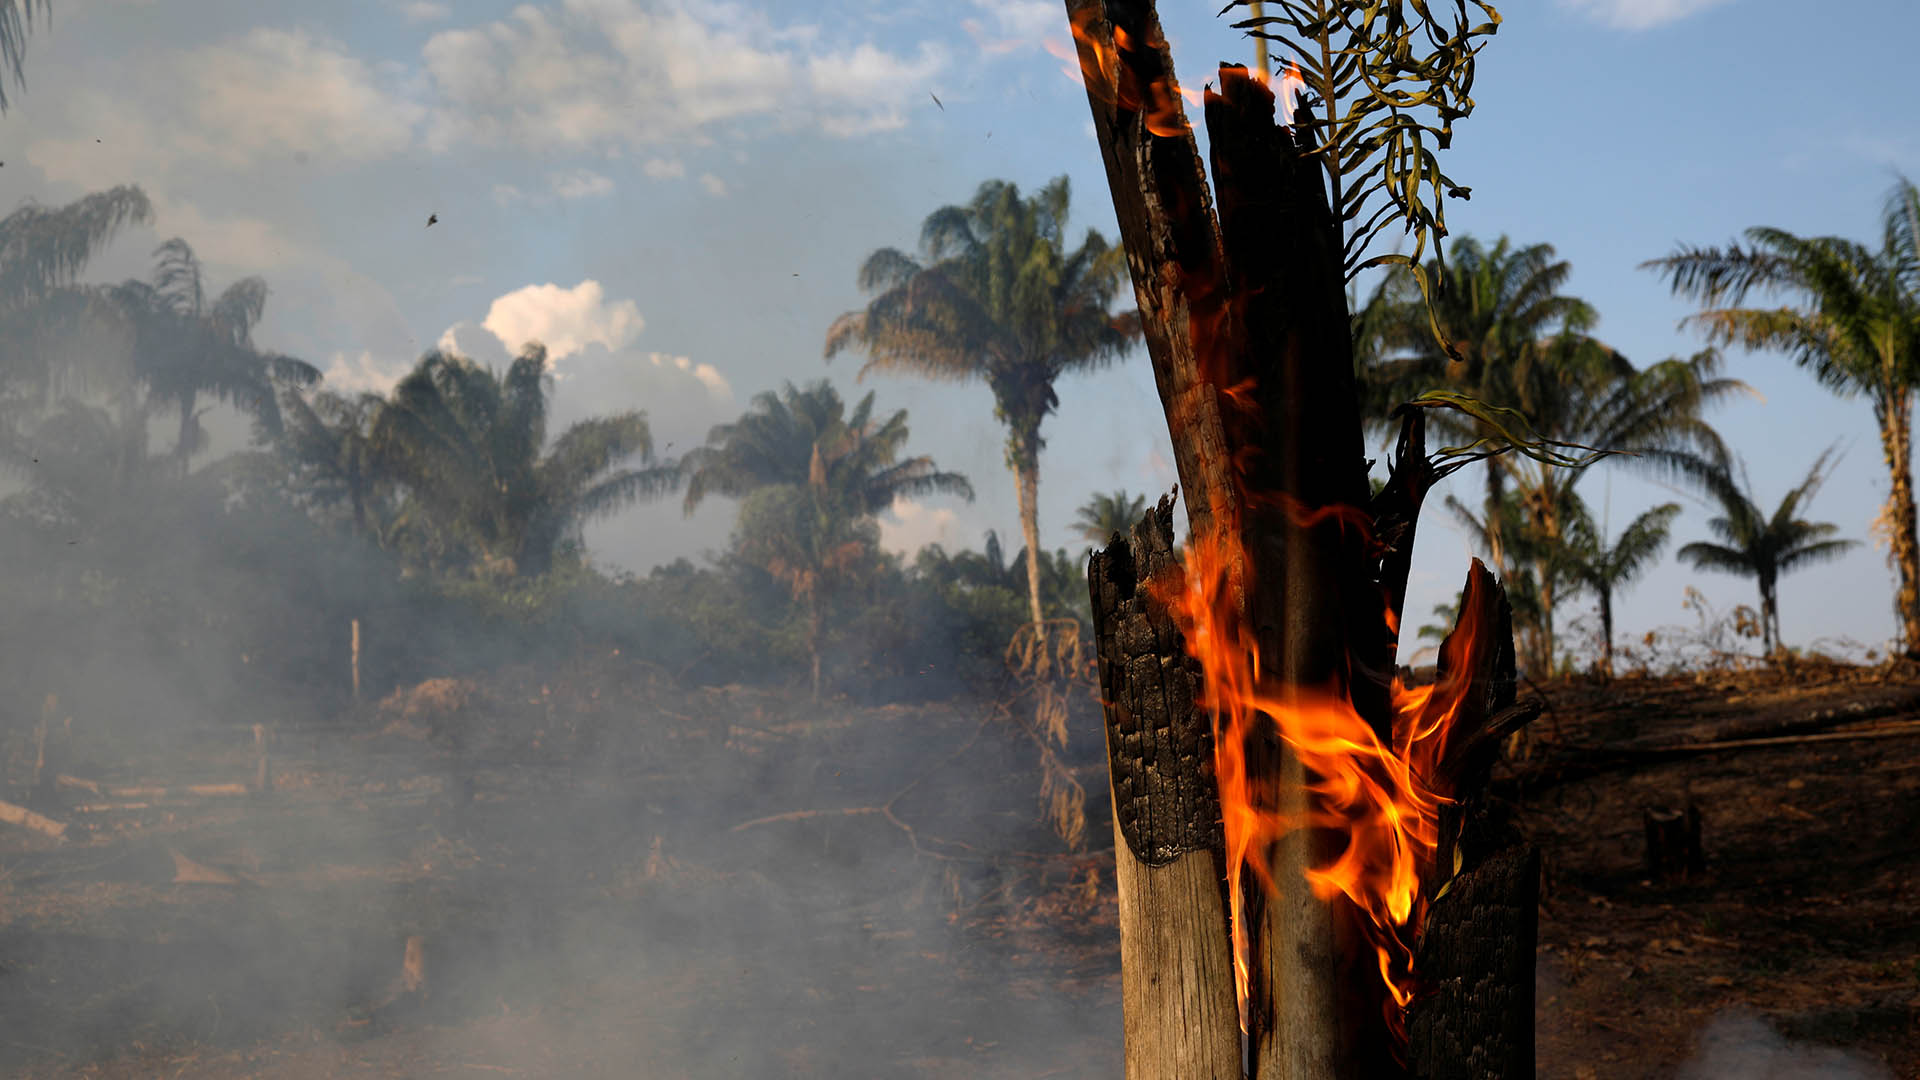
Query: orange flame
x=1098 y=67
x=1377 y=795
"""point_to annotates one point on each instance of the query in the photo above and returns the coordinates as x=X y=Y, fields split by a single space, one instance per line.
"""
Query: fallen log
x=13 y=814
x=1600 y=760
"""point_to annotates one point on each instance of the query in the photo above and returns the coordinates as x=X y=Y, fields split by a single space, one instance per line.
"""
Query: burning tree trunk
x=1245 y=318
x=1177 y=986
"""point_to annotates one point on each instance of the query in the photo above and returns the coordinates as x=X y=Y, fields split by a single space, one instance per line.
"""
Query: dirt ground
x=657 y=883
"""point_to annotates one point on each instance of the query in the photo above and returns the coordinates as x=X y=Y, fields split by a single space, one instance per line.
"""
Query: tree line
x=452 y=486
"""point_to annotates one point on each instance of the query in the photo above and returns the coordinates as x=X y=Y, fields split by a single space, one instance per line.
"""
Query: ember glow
x=1096 y=65
x=1378 y=796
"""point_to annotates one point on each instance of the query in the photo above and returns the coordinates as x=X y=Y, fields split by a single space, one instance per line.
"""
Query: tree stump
x=1673 y=852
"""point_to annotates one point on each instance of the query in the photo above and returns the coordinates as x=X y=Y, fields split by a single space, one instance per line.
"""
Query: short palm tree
x=470 y=447
x=811 y=478
x=1103 y=515
x=1852 y=319
x=327 y=439
x=1764 y=546
x=997 y=296
x=1603 y=569
x=777 y=439
x=1588 y=395
x=190 y=345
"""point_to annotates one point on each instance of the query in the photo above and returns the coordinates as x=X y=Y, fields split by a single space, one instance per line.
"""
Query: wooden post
x=356 y=662
x=263 y=768
x=1177 y=986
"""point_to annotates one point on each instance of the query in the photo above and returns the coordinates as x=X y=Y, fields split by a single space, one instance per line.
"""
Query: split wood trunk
x=1244 y=314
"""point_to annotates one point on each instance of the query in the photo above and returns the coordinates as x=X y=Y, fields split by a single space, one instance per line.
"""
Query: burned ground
x=656 y=882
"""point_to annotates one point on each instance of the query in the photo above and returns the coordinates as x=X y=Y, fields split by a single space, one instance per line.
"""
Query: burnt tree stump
x=1177 y=991
x=1673 y=844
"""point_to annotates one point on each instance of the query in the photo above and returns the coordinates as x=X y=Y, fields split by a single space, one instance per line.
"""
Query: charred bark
x=1474 y=958
x=1177 y=976
x=1245 y=318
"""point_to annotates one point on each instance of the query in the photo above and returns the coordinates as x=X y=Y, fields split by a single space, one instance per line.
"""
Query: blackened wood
x=1476 y=961
x=1395 y=513
x=1177 y=988
x=1293 y=422
x=1673 y=850
x=1159 y=741
x=1475 y=955
x=1171 y=237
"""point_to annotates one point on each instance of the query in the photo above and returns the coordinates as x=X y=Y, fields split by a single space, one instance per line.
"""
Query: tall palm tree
x=191 y=345
x=1764 y=546
x=1604 y=569
x=1852 y=319
x=812 y=478
x=1103 y=515
x=16 y=21
x=782 y=435
x=997 y=296
x=42 y=252
x=470 y=447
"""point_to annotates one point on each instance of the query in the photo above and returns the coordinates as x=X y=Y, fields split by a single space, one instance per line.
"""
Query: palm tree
x=16 y=20
x=1588 y=395
x=1498 y=310
x=1762 y=546
x=780 y=436
x=1604 y=569
x=470 y=447
x=1103 y=515
x=996 y=296
x=328 y=439
x=42 y=252
x=1853 y=320
x=189 y=345
x=812 y=478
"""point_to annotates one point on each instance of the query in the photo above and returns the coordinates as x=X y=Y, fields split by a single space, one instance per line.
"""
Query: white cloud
x=587 y=73
x=507 y=194
x=1017 y=24
x=580 y=184
x=278 y=91
x=714 y=185
x=866 y=85
x=664 y=168
x=708 y=375
x=564 y=320
x=359 y=372
x=425 y=11
x=1639 y=14
x=264 y=96
x=908 y=526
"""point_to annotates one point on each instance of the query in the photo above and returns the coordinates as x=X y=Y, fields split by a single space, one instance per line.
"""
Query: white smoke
x=1737 y=1045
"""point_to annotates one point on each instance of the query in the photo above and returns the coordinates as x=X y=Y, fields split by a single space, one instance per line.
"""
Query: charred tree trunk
x=1177 y=987
x=1475 y=952
x=1245 y=317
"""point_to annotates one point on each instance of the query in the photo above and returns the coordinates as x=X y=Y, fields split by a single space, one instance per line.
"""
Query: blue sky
x=681 y=192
